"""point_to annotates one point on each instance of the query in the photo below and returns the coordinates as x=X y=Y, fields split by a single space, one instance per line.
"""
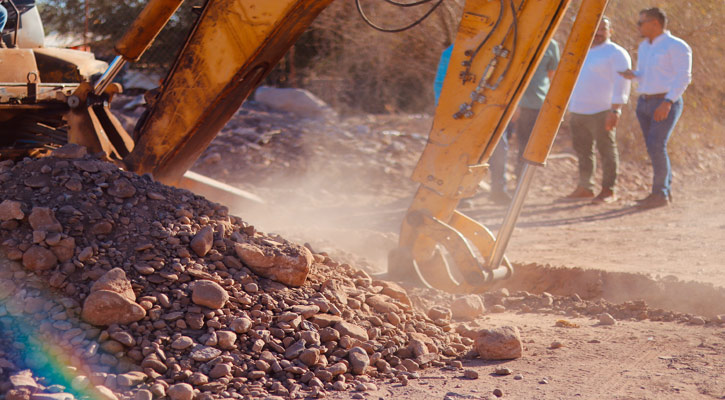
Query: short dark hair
x=657 y=14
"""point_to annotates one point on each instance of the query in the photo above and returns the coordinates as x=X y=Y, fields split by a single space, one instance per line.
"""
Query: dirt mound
x=167 y=278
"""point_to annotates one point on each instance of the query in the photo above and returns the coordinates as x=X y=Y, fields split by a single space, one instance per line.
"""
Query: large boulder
x=104 y=307
x=502 y=343
x=288 y=264
x=296 y=101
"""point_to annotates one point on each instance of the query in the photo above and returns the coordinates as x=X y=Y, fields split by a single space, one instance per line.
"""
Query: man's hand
x=662 y=111
x=611 y=121
x=628 y=74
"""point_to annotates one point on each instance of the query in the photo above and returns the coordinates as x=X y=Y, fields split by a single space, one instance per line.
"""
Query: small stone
x=503 y=371
x=220 y=370
x=143 y=394
x=226 y=340
x=241 y=325
x=104 y=307
x=606 y=319
x=122 y=188
x=180 y=391
x=310 y=357
x=498 y=308
x=104 y=393
x=43 y=219
x=359 y=360
x=556 y=344
x=382 y=304
x=295 y=350
x=38 y=258
x=182 y=343
x=209 y=294
x=467 y=307
x=439 y=313
x=497 y=392
x=543 y=381
x=204 y=353
x=518 y=377
x=10 y=209
x=116 y=281
x=470 y=374
x=288 y=265
x=70 y=150
x=352 y=330
x=203 y=241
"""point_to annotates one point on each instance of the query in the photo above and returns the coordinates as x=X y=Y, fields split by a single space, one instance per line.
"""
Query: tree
x=108 y=21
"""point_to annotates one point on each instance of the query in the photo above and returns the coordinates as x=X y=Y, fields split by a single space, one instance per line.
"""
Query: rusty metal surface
x=15 y=65
x=67 y=65
x=235 y=45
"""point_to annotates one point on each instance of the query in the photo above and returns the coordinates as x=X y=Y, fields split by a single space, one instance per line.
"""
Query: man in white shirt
x=595 y=107
x=664 y=65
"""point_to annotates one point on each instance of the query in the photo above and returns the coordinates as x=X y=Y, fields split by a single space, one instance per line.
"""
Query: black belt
x=653 y=96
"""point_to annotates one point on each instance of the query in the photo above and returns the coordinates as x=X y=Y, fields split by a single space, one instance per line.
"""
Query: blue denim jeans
x=656 y=134
x=3 y=18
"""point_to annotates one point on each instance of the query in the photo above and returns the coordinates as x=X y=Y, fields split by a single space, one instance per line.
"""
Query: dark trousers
x=588 y=131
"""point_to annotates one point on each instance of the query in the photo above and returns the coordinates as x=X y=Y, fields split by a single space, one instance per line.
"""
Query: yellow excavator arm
x=499 y=43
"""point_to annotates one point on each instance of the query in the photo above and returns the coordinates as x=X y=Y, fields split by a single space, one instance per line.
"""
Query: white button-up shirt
x=664 y=66
x=599 y=84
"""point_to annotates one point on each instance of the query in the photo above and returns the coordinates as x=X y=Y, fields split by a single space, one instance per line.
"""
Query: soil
x=342 y=186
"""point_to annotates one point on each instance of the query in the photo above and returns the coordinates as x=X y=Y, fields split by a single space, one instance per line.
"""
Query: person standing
x=664 y=70
x=522 y=122
x=523 y=119
x=533 y=98
x=595 y=107
x=3 y=20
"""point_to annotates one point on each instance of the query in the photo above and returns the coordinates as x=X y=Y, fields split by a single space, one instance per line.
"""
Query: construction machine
x=234 y=44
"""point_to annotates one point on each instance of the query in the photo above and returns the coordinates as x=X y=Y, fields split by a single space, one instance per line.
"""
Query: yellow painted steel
x=146 y=27
x=457 y=147
x=577 y=46
x=232 y=48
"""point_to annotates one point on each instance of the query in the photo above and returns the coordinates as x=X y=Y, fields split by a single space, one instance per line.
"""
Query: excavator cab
x=36 y=83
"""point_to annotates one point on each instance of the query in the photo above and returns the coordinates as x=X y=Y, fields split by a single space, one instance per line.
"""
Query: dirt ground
x=343 y=187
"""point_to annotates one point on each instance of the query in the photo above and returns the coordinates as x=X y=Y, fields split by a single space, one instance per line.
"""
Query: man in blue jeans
x=664 y=68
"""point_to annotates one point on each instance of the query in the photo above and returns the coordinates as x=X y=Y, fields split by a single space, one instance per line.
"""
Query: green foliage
x=108 y=21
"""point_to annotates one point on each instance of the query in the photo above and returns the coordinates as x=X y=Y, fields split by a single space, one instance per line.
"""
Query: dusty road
x=350 y=192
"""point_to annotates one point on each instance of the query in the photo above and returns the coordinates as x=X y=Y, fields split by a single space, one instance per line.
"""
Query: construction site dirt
x=609 y=301
x=345 y=188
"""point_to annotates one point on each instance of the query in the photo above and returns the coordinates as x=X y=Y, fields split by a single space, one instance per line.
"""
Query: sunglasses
x=640 y=23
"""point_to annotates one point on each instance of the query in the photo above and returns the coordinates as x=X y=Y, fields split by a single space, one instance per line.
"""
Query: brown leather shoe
x=579 y=194
x=654 y=200
x=605 y=196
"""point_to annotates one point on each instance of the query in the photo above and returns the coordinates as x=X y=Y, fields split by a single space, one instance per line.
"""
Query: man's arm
x=680 y=55
x=681 y=58
x=621 y=87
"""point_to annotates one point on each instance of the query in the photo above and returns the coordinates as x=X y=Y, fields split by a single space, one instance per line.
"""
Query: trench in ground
x=670 y=294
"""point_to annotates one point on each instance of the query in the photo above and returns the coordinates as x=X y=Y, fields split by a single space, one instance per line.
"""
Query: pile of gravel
x=115 y=286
